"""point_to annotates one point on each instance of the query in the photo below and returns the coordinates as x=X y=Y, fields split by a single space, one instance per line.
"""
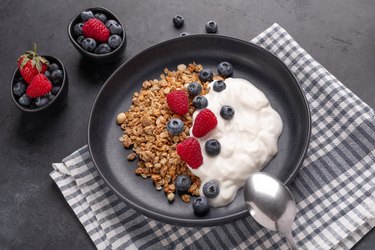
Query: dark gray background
x=340 y=34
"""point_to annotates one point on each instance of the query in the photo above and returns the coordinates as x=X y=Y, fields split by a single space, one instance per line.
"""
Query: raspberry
x=95 y=29
x=39 y=86
x=190 y=152
x=204 y=123
x=178 y=102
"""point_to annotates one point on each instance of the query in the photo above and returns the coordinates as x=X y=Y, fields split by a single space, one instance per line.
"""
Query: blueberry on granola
x=206 y=75
x=182 y=183
x=211 y=189
x=194 y=89
x=219 y=86
x=212 y=147
x=201 y=206
x=175 y=126
x=200 y=102
x=227 y=112
x=225 y=69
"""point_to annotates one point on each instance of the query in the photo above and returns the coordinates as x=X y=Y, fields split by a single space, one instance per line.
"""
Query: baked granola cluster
x=144 y=127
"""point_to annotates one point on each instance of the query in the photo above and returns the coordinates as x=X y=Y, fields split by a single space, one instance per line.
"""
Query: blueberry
x=184 y=34
x=178 y=21
x=41 y=101
x=50 y=96
x=55 y=90
x=212 y=147
x=56 y=76
x=206 y=75
x=219 y=86
x=78 y=29
x=114 y=41
x=19 y=88
x=89 y=44
x=101 y=17
x=80 y=39
x=182 y=183
x=47 y=74
x=211 y=189
x=200 y=102
x=194 y=89
x=114 y=27
x=52 y=67
x=103 y=48
x=86 y=15
x=201 y=206
x=211 y=27
x=227 y=112
x=225 y=69
x=24 y=100
x=175 y=126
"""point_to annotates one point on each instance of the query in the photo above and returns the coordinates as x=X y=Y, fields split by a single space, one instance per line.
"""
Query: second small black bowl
x=98 y=58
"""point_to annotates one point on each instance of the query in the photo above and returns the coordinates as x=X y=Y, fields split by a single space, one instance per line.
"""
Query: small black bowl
x=56 y=103
x=98 y=58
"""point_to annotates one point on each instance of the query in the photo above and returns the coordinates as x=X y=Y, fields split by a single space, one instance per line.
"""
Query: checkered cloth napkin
x=334 y=189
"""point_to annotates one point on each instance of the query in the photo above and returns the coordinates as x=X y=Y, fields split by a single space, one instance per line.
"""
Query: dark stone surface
x=340 y=34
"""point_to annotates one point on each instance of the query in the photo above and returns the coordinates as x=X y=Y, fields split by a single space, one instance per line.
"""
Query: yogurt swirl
x=248 y=141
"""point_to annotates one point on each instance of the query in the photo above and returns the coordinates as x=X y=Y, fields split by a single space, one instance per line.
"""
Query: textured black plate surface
x=251 y=62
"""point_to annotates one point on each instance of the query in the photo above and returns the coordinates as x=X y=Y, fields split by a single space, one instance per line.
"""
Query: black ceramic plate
x=251 y=62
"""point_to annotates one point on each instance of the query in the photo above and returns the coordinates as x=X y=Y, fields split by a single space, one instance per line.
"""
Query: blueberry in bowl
x=98 y=35
x=39 y=84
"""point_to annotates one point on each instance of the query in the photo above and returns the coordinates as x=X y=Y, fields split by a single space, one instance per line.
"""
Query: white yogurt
x=248 y=141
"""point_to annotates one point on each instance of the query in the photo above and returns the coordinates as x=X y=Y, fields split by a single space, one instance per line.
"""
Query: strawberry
x=204 y=123
x=178 y=102
x=190 y=152
x=30 y=64
x=95 y=29
x=39 y=86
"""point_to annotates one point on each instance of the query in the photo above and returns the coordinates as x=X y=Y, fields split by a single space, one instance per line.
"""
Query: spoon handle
x=289 y=238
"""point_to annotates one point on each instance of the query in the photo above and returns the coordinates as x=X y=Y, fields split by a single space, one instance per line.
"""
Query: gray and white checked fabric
x=334 y=190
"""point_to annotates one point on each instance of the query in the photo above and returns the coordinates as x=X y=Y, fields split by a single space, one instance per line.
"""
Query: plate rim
x=199 y=221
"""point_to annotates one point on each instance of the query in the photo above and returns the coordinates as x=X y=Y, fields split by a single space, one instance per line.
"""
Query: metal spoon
x=271 y=204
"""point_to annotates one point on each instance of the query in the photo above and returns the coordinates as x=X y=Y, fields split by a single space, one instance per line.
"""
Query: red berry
x=204 y=123
x=30 y=64
x=178 y=102
x=39 y=86
x=190 y=152
x=96 y=30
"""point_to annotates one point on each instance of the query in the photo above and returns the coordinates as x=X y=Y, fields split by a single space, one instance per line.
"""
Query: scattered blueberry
x=52 y=67
x=47 y=74
x=211 y=27
x=201 y=206
x=184 y=34
x=219 y=86
x=78 y=29
x=200 y=102
x=103 y=48
x=225 y=69
x=175 y=126
x=55 y=90
x=178 y=21
x=227 y=112
x=80 y=39
x=56 y=76
x=211 y=189
x=19 y=88
x=86 y=15
x=206 y=75
x=41 y=101
x=24 y=100
x=101 y=17
x=114 y=41
x=114 y=27
x=182 y=183
x=194 y=89
x=89 y=44
x=212 y=147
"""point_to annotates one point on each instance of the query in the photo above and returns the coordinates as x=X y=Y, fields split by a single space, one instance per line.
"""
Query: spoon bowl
x=271 y=204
